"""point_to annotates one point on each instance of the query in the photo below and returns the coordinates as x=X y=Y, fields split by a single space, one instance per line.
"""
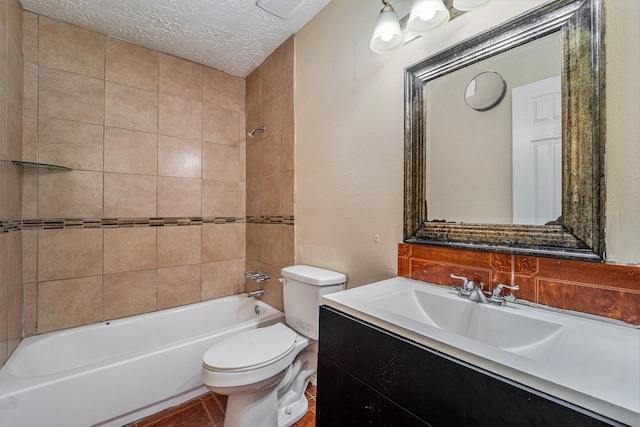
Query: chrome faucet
x=497 y=298
x=258 y=276
x=256 y=293
x=471 y=290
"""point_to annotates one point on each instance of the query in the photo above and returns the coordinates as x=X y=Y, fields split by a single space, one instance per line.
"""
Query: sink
x=500 y=327
x=585 y=360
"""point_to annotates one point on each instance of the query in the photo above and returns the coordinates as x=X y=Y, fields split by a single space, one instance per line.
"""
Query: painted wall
x=350 y=130
x=10 y=177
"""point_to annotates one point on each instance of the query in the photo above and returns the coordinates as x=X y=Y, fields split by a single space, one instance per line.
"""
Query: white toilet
x=265 y=371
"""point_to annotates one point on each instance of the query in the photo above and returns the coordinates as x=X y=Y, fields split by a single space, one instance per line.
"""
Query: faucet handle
x=496 y=295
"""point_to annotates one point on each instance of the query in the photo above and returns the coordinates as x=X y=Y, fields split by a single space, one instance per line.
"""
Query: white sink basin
x=592 y=363
x=510 y=330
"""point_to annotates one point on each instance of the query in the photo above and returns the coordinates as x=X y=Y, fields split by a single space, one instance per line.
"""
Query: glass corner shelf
x=40 y=165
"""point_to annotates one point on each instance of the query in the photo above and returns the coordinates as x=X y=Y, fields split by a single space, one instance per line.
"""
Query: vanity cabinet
x=370 y=376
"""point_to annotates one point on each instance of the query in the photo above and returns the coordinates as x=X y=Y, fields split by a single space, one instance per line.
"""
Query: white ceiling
x=234 y=36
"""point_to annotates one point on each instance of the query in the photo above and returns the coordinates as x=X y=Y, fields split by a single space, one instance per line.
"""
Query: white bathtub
x=115 y=372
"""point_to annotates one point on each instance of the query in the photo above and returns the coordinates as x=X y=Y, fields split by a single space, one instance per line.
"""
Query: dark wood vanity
x=370 y=376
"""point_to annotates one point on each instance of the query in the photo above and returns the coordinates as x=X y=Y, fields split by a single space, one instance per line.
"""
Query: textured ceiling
x=234 y=36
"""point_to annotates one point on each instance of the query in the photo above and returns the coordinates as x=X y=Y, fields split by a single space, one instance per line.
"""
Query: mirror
x=572 y=225
x=485 y=91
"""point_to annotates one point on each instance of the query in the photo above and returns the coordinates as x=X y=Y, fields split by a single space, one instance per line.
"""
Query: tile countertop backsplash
x=601 y=289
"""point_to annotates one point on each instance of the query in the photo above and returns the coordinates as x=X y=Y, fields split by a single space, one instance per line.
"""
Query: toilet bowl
x=265 y=371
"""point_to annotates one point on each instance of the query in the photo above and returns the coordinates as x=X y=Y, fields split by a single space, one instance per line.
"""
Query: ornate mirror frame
x=579 y=233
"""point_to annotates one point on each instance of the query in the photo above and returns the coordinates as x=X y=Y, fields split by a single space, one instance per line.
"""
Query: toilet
x=265 y=371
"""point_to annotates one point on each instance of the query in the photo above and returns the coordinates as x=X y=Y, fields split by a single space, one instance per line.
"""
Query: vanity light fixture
x=426 y=15
x=468 y=5
x=387 y=35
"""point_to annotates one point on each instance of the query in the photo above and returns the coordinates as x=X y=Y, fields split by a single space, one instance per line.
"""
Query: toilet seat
x=251 y=349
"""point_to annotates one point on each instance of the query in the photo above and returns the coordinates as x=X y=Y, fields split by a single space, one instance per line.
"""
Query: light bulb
x=386 y=35
x=427 y=15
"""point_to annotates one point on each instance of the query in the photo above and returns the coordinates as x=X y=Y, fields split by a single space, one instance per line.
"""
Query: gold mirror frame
x=579 y=233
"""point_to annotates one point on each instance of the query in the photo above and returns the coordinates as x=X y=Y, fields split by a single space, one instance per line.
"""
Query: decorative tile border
x=9 y=226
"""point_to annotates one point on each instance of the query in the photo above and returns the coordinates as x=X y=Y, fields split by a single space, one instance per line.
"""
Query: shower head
x=253 y=131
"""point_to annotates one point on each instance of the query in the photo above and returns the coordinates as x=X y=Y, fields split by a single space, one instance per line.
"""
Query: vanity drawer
x=438 y=389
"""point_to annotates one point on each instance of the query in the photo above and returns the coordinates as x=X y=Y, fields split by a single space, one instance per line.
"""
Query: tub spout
x=257 y=293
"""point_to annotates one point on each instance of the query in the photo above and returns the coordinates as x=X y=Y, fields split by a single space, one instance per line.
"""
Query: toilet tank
x=303 y=287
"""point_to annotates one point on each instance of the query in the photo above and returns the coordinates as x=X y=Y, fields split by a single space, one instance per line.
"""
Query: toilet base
x=292 y=413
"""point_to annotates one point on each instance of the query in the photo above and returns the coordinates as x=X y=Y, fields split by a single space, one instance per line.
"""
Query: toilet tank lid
x=313 y=275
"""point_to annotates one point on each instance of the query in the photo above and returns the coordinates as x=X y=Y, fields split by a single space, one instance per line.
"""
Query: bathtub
x=115 y=372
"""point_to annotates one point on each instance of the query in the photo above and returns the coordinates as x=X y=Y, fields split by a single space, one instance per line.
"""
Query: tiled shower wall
x=153 y=214
x=270 y=166
x=10 y=197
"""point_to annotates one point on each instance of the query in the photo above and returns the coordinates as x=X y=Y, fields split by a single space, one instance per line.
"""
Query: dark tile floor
x=208 y=411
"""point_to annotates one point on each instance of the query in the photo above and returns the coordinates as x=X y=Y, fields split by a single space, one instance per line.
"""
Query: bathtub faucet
x=257 y=293
x=258 y=276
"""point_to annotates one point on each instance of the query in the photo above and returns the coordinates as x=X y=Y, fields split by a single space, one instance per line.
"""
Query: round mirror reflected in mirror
x=485 y=91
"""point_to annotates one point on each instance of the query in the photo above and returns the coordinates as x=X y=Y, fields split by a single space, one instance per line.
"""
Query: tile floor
x=208 y=411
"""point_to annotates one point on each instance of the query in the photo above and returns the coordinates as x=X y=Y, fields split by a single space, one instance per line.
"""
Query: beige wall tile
x=131 y=108
x=131 y=65
x=68 y=303
x=180 y=117
x=72 y=144
x=179 y=197
x=220 y=242
x=29 y=138
x=30 y=37
x=14 y=24
x=3 y=47
x=271 y=193
x=220 y=162
x=14 y=130
x=179 y=286
x=4 y=267
x=75 y=194
x=221 y=125
x=220 y=199
x=271 y=154
x=271 y=249
x=30 y=95
x=287 y=194
x=129 y=249
x=252 y=90
x=287 y=118
x=223 y=90
x=288 y=149
x=4 y=329
x=254 y=197
x=128 y=294
x=29 y=256
x=254 y=160
x=129 y=195
x=70 y=48
x=219 y=279
x=15 y=76
x=70 y=96
x=29 y=193
x=128 y=151
x=179 y=157
x=288 y=246
x=30 y=308
x=272 y=113
x=271 y=77
x=179 y=246
x=14 y=319
x=181 y=78
x=65 y=254
x=10 y=191
x=4 y=147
